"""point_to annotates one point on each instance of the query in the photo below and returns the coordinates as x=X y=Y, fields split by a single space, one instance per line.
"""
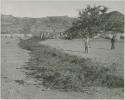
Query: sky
x=42 y=8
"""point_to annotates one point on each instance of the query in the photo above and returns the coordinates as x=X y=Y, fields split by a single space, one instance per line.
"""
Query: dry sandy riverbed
x=15 y=85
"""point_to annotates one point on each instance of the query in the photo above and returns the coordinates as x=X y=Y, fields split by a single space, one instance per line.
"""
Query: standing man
x=42 y=36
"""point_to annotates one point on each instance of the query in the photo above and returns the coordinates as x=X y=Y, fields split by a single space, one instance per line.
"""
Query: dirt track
x=15 y=85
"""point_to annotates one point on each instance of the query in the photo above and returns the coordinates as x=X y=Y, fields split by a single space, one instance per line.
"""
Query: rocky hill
x=53 y=24
x=11 y=24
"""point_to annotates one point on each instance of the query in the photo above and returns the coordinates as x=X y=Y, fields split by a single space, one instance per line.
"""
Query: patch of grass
x=20 y=82
x=58 y=70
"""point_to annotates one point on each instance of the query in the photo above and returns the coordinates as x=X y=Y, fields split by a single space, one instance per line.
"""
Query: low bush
x=58 y=70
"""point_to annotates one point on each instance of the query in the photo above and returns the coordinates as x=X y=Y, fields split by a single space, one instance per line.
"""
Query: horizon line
x=50 y=16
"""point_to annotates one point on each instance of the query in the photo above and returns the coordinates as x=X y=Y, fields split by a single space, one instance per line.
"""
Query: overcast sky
x=39 y=8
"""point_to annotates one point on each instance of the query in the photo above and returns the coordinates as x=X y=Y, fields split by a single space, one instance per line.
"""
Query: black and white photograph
x=62 y=49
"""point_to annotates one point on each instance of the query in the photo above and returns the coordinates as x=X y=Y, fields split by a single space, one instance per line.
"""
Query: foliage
x=94 y=20
x=115 y=22
x=90 y=21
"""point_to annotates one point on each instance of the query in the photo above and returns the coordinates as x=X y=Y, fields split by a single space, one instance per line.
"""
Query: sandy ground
x=99 y=51
x=15 y=85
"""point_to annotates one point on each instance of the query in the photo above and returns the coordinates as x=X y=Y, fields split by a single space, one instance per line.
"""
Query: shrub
x=58 y=70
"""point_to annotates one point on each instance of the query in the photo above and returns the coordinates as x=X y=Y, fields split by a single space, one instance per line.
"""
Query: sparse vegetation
x=26 y=25
x=58 y=70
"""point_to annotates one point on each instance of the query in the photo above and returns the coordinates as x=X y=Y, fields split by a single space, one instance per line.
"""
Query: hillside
x=11 y=24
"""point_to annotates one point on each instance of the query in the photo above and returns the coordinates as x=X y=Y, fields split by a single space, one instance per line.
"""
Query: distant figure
x=42 y=36
x=86 y=44
x=113 y=42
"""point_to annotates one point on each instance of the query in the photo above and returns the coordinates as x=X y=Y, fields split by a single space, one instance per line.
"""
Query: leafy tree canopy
x=115 y=22
x=89 y=21
x=93 y=20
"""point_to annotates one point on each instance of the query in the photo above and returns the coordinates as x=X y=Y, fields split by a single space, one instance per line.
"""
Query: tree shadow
x=100 y=48
x=103 y=48
x=74 y=51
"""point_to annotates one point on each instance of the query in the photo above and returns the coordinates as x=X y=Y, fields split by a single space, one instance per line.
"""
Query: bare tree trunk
x=86 y=49
x=112 y=45
x=86 y=45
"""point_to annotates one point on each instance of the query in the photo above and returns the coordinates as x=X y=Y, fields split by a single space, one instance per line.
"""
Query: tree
x=90 y=21
x=114 y=24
